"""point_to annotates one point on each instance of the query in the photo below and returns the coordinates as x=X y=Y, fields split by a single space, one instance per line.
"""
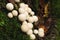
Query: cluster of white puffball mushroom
x=27 y=17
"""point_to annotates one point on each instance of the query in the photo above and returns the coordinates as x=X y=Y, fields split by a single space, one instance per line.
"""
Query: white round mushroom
x=35 y=18
x=22 y=5
x=25 y=23
x=41 y=32
x=26 y=13
x=30 y=25
x=15 y=13
x=35 y=31
x=10 y=15
x=10 y=6
x=17 y=0
x=30 y=32
x=26 y=5
x=32 y=36
x=29 y=9
x=24 y=28
x=21 y=10
x=22 y=17
x=30 y=19
x=32 y=13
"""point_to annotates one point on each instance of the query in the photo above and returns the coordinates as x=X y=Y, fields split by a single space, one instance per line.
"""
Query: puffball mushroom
x=21 y=10
x=35 y=31
x=30 y=19
x=32 y=13
x=30 y=32
x=30 y=25
x=24 y=28
x=29 y=10
x=10 y=15
x=41 y=32
x=26 y=5
x=25 y=23
x=22 y=17
x=15 y=13
x=32 y=36
x=26 y=13
x=10 y=6
x=35 y=18
x=23 y=5
x=17 y=0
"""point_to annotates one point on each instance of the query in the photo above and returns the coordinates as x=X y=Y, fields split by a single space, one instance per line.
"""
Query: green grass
x=10 y=28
